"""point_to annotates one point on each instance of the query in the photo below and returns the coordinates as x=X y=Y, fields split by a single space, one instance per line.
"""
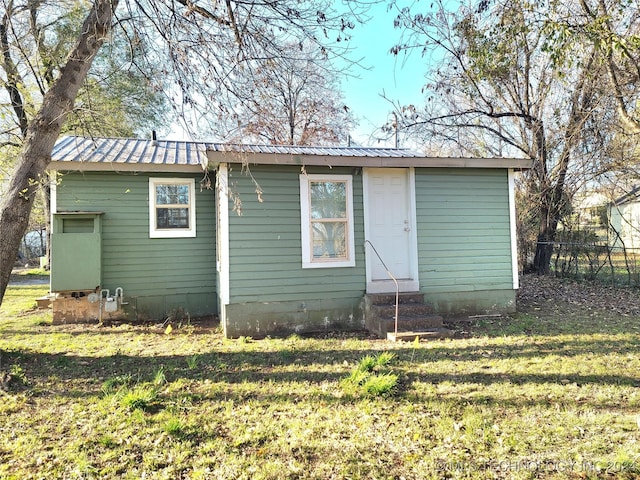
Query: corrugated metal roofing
x=168 y=152
x=80 y=153
x=304 y=150
x=129 y=151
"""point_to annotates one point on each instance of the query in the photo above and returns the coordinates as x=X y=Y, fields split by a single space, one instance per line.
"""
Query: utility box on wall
x=76 y=250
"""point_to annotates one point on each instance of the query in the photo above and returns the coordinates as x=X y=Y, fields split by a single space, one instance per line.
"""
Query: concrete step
x=410 y=336
x=404 y=309
x=43 y=302
x=413 y=314
x=413 y=322
x=390 y=298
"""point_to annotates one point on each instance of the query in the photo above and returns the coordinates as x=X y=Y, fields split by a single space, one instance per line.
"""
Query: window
x=172 y=207
x=327 y=221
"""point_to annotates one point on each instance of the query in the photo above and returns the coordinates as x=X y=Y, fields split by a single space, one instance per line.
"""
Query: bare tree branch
x=14 y=80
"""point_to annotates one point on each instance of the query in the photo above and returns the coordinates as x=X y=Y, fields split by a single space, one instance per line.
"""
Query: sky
x=401 y=78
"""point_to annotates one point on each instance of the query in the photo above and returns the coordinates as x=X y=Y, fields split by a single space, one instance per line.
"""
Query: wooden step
x=410 y=336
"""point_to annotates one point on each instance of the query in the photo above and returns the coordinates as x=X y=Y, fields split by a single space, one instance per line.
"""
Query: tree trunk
x=544 y=252
x=549 y=217
x=42 y=134
x=47 y=222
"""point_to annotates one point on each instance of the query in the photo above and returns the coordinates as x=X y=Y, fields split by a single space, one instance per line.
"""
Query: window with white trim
x=172 y=207
x=326 y=203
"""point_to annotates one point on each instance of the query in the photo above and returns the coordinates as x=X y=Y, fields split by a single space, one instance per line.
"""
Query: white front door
x=390 y=227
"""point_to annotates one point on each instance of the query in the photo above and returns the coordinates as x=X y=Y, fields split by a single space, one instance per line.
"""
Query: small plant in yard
x=159 y=378
x=193 y=361
x=114 y=384
x=416 y=345
x=141 y=397
x=174 y=427
x=385 y=358
x=107 y=441
x=366 y=364
x=131 y=395
x=17 y=374
x=15 y=377
x=371 y=377
x=380 y=385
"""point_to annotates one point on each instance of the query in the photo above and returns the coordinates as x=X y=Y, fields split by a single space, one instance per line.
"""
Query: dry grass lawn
x=550 y=392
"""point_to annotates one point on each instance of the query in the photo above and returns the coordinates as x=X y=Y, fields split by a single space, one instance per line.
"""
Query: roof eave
x=361 y=161
x=75 y=166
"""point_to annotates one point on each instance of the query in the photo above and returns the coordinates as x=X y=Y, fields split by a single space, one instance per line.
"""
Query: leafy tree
x=197 y=45
x=612 y=29
x=116 y=99
x=499 y=87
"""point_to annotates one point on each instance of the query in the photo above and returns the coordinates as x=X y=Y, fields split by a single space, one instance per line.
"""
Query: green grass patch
x=372 y=377
x=546 y=393
x=117 y=383
x=38 y=272
x=142 y=397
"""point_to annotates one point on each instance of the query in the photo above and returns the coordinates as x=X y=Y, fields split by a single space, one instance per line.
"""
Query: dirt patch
x=198 y=325
x=538 y=292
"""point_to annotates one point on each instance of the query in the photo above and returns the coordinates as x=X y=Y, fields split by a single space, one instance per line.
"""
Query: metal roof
x=84 y=153
x=313 y=151
x=130 y=150
x=122 y=151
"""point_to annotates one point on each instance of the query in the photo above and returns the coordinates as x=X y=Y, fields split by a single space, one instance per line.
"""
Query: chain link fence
x=596 y=261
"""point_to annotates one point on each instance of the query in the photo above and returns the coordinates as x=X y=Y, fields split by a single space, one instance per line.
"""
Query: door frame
x=387 y=286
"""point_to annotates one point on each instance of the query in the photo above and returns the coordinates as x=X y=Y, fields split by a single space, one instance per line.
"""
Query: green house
x=276 y=239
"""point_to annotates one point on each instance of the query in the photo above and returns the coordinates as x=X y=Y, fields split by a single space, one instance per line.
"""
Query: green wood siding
x=463 y=230
x=265 y=242
x=162 y=270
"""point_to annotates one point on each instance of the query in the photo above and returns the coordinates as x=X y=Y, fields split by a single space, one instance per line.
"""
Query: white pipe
x=100 y=305
x=119 y=294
